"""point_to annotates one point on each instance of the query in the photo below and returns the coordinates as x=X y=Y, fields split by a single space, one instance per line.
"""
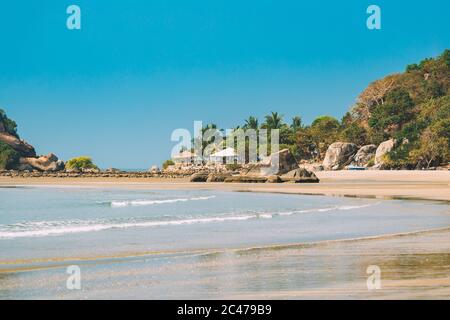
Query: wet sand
x=413 y=266
x=432 y=185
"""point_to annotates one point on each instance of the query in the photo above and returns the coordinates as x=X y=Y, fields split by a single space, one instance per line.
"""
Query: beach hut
x=185 y=157
x=227 y=155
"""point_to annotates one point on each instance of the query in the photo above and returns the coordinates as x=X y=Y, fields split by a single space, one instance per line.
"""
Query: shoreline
x=400 y=257
x=419 y=185
x=414 y=264
x=60 y=262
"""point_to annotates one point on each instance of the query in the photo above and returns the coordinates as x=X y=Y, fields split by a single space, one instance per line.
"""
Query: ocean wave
x=136 y=203
x=54 y=228
x=41 y=229
x=333 y=208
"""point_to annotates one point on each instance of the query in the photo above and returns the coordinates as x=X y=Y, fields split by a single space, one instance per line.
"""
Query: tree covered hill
x=412 y=108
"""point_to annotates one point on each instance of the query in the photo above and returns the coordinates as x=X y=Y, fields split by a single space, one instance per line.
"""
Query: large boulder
x=217 y=177
x=274 y=179
x=23 y=148
x=199 y=177
x=155 y=170
x=339 y=154
x=364 y=155
x=382 y=150
x=49 y=162
x=300 y=175
x=277 y=163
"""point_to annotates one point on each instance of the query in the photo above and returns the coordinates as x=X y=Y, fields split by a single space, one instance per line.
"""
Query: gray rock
x=49 y=162
x=246 y=179
x=23 y=148
x=274 y=179
x=199 y=177
x=382 y=150
x=300 y=176
x=217 y=177
x=339 y=154
x=364 y=154
x=154 y=170
x=277 y=163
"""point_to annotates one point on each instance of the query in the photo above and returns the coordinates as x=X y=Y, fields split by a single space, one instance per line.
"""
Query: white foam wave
x=49 y=228
x=66 y=227
x=288 y=213
x=126 y=203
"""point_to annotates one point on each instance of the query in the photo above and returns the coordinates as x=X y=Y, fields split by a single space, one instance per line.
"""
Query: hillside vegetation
x=412 y=107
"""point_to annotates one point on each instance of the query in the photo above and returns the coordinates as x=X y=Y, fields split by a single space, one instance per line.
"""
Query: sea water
x=57 y=222
x=185 y=244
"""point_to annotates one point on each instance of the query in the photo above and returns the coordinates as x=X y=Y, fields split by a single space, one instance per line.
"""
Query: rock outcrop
x=199 y=177
x=246 y=179
x=276 y=164
x=382 y=150
x=24 y=149
x=49 y=162
x=364 y=155
x=339 y=154
x=217 y=177
x=274 y=179
x=155 y=170
x=300 y=175
x=26 y=159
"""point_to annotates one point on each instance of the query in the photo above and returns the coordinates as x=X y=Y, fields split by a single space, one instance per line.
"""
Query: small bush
x=167 y=163
x=10 y=125
x=81 y=163
x=371 y=162
x=8 y=156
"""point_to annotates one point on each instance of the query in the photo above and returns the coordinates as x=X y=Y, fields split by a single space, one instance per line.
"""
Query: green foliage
x=305 y=143
x=371 y=162
x=273 y=121
x=412 y=107
x=325 y=131
x=251 y=123
x=393 y=114
x=296 y=123
x=167 y=163
x=355 y=134
x=9 y=125
x=8 y=156
x=81 y=163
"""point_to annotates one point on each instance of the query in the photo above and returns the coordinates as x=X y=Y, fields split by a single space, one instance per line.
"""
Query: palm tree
x=296 y=123
x=251 y=123
x=274 y=121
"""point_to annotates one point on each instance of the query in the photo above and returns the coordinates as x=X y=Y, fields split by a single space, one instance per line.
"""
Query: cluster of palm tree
x=274 y=120
x=304 y=141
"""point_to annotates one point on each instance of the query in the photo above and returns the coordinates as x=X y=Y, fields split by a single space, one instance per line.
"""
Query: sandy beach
x=431 y=185
x=414 y=265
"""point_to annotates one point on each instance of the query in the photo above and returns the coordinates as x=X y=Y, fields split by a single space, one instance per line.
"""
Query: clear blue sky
x=138 y=69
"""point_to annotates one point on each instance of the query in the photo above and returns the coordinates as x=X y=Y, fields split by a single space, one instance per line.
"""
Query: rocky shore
x=87 y=174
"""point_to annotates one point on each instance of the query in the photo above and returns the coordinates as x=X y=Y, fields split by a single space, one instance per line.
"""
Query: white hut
x=185 y=157
x=227 y=155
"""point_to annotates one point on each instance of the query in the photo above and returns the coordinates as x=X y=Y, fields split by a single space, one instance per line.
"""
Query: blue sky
x=139 y=69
